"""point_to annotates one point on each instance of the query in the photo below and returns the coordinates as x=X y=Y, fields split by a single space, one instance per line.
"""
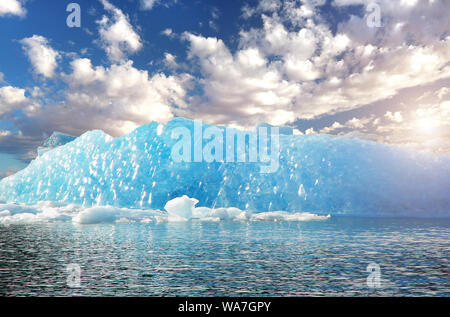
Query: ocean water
x=228 y=258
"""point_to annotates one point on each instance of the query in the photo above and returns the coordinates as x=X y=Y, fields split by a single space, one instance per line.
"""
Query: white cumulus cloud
x=117 y=35
x=43 y=58
x=295 y=67
x=396 y=116
x=11 y=98
x=116 y=99
x=12 y=7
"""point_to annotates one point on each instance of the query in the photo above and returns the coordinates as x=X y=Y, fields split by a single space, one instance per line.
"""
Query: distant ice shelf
x=321 y=174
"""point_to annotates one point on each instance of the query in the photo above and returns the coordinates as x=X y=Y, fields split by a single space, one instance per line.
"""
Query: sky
x=371 y=70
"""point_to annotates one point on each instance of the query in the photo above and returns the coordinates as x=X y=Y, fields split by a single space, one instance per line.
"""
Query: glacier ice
x=321 y=174
x=55 y=140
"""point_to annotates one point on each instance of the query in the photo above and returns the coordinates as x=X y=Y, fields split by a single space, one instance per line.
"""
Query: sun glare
x=426 y=125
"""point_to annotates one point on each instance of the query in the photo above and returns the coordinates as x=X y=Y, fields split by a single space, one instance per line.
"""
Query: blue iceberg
x=55 y=140
x=316 y=173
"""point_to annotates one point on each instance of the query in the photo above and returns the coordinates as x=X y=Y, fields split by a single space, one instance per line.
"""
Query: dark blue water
x=228 y=258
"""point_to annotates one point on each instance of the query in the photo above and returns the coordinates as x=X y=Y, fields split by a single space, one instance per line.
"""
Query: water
x=228 y=258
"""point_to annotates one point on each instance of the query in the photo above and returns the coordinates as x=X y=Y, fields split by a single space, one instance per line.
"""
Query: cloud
x=358 y=123
x=43 y=58
x=117 y=36
x=12 y=7
x=295 y=66
x=310 y=131
x=440 y=93
x=241 y=89
x=263 y=6
x=213 y=25
x=396 y=116
x=11 y=98
x=336 y=125
x=151 y=4
x=20 y=145
x=170 y=61
x=168 y=32
x=148 y=4
x=352 y=124
x=116 y=99
x=16 y=143
x=300 y=69
x=418 y=118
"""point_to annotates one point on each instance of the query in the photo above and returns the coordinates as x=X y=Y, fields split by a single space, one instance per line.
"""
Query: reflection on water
x=228 y=258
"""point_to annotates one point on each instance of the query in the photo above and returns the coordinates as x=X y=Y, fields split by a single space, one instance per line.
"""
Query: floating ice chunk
x=108 y=214
x=179 y=209
x=184 y=207
x=181 y=206
x=51 y=212
x=96 y=215
x=20 y=214
x=229 y=213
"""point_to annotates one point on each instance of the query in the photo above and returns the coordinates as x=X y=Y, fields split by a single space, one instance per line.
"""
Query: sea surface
x=227 y=258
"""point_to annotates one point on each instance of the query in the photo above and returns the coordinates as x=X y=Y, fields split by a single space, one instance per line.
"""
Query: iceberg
x=320 y=174
x=55 y=140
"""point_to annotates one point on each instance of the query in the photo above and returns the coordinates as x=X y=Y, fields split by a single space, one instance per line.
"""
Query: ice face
x=317 y=173
x=55 y=140
x=58 y=139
